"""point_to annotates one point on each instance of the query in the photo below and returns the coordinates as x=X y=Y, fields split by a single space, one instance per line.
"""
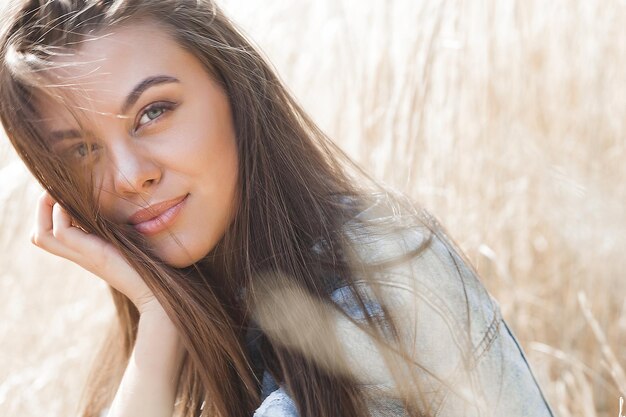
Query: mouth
x=157 y=217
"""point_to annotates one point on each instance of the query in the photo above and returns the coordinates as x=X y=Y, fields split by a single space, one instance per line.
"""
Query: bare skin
x=148 y=387
x=150 y=158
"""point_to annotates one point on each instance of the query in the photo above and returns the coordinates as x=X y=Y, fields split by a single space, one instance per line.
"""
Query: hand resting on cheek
x=55 y=233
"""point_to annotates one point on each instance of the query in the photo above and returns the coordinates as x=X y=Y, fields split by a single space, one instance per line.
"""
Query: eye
x=153 y=112
x=83 y=149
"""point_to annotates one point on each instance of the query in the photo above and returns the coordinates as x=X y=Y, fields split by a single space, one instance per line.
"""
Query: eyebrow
x=130 y=100
x=59 y=135
x=134 y=95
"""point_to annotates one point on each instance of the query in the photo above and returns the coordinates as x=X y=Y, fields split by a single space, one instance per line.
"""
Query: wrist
x=157 y=327
x=152 y=312
x=148 y=305
x=158 y=342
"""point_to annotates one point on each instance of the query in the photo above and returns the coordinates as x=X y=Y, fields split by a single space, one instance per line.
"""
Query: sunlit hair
x=288 y=247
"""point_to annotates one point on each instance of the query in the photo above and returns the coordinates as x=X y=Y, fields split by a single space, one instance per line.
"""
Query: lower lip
x=162 y=222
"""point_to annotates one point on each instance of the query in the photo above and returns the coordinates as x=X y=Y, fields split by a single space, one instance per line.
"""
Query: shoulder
x=463 y=353
x=405 y=257
x=410 y=270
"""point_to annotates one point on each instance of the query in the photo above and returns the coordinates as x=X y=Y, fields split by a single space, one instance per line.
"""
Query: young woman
x=255 y=269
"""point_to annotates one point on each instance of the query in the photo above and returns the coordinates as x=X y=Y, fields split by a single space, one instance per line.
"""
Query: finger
x=43 y=214
x=55 y=233
x=41 y=235
x=73 y=237
x=46 y=226
x=61 y=221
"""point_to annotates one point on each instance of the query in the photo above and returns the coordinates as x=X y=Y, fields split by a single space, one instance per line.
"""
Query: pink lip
x=157 y=217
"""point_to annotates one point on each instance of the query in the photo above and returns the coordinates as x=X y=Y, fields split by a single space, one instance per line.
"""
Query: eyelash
x=165 y=106
x=75 y=150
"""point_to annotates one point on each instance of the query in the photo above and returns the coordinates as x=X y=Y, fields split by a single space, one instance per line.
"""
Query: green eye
x=154 y=112
x=83 y=149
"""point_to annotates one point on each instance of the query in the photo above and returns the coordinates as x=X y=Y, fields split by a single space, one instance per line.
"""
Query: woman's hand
x=54 y=233
x=149 y=384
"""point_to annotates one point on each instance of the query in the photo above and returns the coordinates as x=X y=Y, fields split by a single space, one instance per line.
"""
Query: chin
x=179 y=263
x=184 y=250
x=179 y=256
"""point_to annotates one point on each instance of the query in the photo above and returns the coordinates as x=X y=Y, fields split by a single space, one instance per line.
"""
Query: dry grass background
x=505 y=118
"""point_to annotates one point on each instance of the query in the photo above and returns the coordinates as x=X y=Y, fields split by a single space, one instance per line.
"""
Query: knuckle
x=58 y=234
x=34 y=239
x=43 y=197
x=38 y=239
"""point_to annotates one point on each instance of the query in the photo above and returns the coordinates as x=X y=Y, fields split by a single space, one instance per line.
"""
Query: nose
x=134 y=170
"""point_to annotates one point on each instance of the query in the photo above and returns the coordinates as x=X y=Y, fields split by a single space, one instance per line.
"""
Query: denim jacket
x=473 y=364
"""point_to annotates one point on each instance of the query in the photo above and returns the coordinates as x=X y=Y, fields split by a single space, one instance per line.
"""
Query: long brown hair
x=296 y=189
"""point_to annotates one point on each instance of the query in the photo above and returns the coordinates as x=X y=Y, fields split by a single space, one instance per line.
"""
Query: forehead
x=100 y=72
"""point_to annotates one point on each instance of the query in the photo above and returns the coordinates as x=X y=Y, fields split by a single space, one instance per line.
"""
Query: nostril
x=134 y=172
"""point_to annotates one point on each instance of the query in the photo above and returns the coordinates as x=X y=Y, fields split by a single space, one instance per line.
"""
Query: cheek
x=218 y=183
x=100 y=195
x=218 y=186
x=207 y=145
x=108 y=208
x=210 y=166
x=207 y=130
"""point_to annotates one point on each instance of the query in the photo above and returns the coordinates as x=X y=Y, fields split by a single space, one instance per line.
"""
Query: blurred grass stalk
x=505 y=118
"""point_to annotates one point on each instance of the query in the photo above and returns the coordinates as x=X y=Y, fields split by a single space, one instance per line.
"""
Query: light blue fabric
x=277 y=404
x=458 y=332
x=503 y=369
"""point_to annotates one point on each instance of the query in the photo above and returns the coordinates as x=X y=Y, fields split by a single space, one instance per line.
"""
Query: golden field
x=506 y=119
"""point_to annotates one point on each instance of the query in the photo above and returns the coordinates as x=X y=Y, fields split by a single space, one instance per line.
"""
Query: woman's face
x=163 y=150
